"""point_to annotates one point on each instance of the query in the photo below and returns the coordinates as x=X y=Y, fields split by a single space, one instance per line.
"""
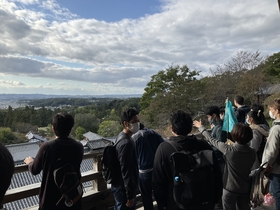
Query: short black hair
x=7 y=170
x=62 y=124
x=210 y=110
x=239 y=99
x=181 y=122
x=241 y=133
x=128 y=114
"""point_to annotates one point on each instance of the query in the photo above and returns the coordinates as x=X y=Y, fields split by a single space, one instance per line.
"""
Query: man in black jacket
x=125 y=185
x=181 y=125
x=242 y=110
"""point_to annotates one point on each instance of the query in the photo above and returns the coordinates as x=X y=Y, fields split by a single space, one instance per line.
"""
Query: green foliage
x=109 y=128
x=272 y=65
x=169 y=90
x=79 y=133
x=6 y=135
x=88 y=121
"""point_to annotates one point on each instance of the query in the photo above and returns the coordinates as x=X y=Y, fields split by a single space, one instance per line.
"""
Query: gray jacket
x=239 y=161
x=272 y=147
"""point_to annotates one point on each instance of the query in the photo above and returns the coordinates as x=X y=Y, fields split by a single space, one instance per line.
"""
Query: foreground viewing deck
x=97 y=195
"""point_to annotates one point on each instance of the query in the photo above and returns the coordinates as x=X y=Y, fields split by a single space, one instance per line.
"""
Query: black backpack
x=111 y=171
x=194 y=183
x=66 y=179
x=69 y=184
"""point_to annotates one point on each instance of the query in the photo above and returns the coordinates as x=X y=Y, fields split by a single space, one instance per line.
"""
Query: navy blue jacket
x=146 y=142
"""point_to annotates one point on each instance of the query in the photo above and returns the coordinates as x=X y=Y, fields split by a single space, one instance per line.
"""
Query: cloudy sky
x=96 y=47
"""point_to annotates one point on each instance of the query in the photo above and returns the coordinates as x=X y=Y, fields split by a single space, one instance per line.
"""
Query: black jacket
x=241 y=113
x=128 y=163
x=163 y=170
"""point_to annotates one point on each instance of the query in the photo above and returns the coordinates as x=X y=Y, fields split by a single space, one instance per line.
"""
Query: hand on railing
x=28 y=160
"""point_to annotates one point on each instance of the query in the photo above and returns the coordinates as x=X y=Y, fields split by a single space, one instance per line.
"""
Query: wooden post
x=98 y=184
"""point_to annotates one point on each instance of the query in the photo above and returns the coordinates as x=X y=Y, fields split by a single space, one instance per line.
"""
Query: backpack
x=69 y=184
x=193 y=179
x=110 y=164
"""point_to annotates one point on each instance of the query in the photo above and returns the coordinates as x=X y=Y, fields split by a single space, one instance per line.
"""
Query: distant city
x=20 y=100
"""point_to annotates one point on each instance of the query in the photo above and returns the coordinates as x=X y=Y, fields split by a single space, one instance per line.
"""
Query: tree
x=169 y=90
x=272 y=65
x=229 y=79
x=6 y=136
x=79 y=132
x=109 y=128
x=88 y=121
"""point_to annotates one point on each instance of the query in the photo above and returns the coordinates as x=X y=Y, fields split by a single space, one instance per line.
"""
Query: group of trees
x=176 y=87
x=102 y=118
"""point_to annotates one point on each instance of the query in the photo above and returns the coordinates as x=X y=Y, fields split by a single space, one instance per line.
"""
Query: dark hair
x=141 y=126
x=62 y=124
x=181 y=123
x=7 y=170
x=256 y=113
x=275 y=104
x=210 y=110
x=241 y=133
x=239 y=99
x=128 y=114
x=257 y=107
x=222 y=109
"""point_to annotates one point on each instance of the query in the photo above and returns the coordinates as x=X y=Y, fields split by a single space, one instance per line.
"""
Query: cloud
x=127 y=53
x=12 y=83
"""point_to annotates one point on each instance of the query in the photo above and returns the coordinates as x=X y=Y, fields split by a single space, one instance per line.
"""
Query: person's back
x=241 y=110
x=146 y=143
x=163 y=170
x=239 y=159
x=6 y=171
x=62 y=149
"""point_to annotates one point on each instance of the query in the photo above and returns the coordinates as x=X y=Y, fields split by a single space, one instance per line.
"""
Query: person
x=241 y=109
x=255 y=119
x=239 y=159
x=146 y=142
x=181 y=126
x=271 y=154
x=62 y=147
x=7 y=171
x=256 y=107
x=125 y=185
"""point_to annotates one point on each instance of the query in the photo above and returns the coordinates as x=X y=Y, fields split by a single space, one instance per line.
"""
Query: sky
x=99 y=47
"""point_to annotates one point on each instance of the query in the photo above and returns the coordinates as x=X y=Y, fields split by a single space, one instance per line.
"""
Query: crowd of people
x=145 y=163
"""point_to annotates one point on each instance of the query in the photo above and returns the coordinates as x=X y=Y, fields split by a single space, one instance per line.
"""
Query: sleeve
x=129 y=168
x=160 y=186
x=256 y=140
x=36 y=166
x=271 y=150
x=218 y=144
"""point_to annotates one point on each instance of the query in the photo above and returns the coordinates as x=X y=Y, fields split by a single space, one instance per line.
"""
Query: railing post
x=98 y=184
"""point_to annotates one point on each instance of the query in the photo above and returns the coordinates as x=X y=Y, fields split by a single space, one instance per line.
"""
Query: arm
x=271 y=150
x=256 y=140
x=129 y=171
x=35 y=165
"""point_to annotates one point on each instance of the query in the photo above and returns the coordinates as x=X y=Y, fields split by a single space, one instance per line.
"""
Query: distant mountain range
x=44 y=96
x=21 y=100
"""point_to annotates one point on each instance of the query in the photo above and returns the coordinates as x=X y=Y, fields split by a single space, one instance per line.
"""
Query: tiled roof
x=21 y=151
x=97 y=144
x=30 y=136
x=92 y=136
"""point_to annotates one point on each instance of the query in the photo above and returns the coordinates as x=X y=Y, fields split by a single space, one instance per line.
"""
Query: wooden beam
x=279 y=4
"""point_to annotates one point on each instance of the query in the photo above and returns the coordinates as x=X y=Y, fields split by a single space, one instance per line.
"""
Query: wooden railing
x=97 y=198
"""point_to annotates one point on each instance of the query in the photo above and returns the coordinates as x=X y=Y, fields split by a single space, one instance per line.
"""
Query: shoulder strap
x=176 y=146
x=121 y=136
x=276 y=123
